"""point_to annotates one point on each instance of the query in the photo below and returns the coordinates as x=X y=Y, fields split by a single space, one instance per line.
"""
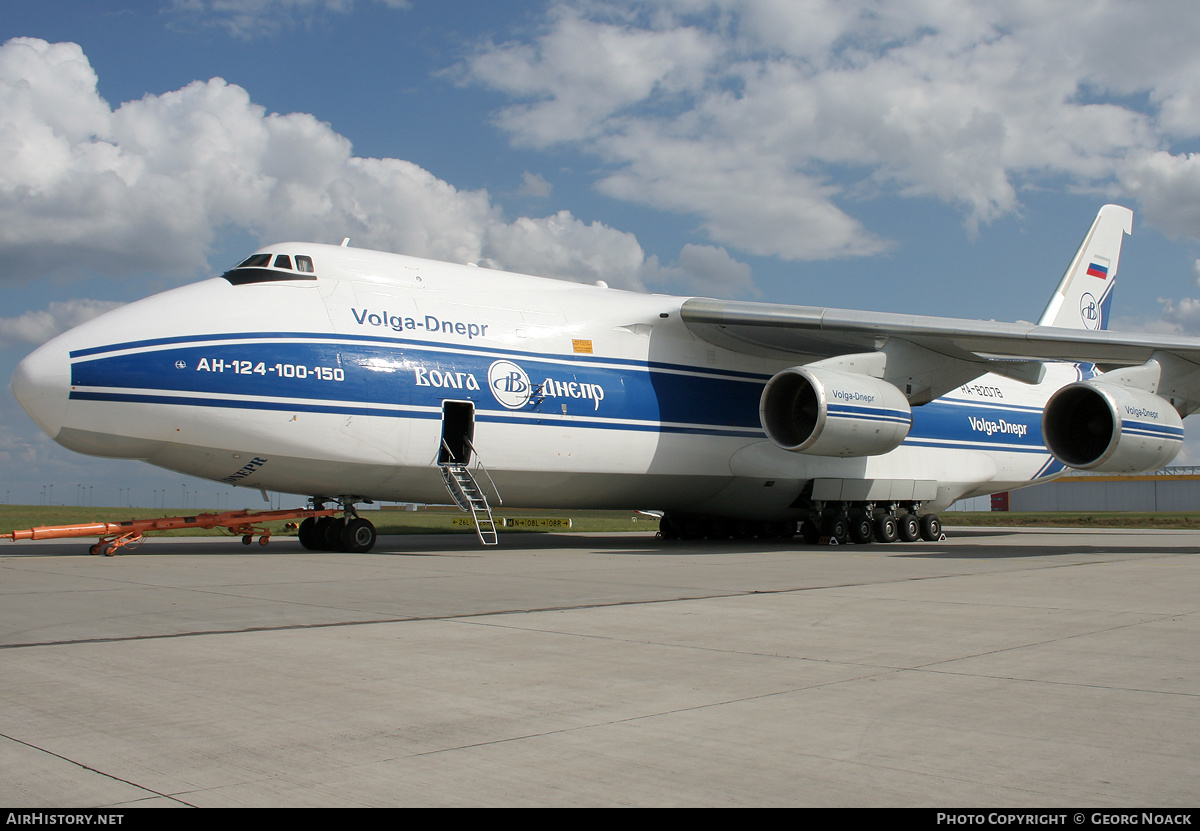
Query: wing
x=1127 y=420
x=814 y=332
x=925 y=357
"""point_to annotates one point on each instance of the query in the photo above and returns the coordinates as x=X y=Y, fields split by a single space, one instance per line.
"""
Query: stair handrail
x=460 y=497
x=480 y=466
x=450 y=453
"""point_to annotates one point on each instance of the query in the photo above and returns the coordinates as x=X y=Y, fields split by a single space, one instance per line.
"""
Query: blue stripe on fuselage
x=300 y=338
x=392 y=377
x=340 y=374
x=977 y=426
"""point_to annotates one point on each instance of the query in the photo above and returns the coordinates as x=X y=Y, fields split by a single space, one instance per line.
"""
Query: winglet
x=1084 y=295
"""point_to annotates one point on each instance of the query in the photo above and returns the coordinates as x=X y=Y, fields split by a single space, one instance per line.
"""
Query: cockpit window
x=258 y=268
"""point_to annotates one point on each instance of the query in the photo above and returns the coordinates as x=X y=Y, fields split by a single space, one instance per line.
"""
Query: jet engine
x=1093 y=425
x=826 y=412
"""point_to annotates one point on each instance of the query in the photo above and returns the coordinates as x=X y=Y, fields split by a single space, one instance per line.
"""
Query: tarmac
x=998 y=668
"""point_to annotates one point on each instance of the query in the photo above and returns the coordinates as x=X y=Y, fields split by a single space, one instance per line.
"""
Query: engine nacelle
x=825 y=412
x=1091 y=425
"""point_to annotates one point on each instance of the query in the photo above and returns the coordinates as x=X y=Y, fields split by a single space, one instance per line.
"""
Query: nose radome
x=42 y=383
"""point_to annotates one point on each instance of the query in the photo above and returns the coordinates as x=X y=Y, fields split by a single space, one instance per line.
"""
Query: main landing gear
x=674 y=526
x=862 y=523
x=350 y=534
x=840 y=523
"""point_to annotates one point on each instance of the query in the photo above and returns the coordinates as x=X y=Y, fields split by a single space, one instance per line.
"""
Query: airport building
x=1170 y=489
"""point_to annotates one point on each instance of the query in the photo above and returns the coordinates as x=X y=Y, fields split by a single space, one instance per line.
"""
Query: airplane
x=351 y=376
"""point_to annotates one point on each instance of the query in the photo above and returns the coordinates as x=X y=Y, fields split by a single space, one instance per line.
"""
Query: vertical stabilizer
x=1084 y=296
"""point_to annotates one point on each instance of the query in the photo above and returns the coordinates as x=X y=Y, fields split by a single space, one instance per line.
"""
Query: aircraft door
x=458 y=431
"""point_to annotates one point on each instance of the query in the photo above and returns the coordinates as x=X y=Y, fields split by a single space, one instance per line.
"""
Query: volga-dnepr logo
x=1089 y=311
x=509 y=384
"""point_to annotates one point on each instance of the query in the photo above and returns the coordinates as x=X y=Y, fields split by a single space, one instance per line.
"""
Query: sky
x=927 y=157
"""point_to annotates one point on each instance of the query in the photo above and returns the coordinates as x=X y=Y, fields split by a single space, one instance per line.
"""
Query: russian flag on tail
x=1098 y=268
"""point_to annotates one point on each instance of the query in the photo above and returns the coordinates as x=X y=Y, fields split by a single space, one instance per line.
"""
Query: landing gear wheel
x=689 y=528
x=308 y=534
x=358 y=536
x=886 y=529
x=860 y=528
x=836 y=527
x=333 y=535
x=320 y=533
x=931 y=528
x=909 y=528
x=810 y=532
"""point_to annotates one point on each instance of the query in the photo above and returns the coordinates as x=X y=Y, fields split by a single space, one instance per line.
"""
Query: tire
x=886 y=528
x=320 y=533
x=718 y=528
x=909 y=528
x=836 y=527
x=358 y=536
x=860 y=528
x=931 y=528
x=308 y=534
x=329 y=532
x=810 y=532
x=689 y=528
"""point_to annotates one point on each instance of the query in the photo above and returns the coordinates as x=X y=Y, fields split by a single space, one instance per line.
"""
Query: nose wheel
x=357 y=536
x=352 y=536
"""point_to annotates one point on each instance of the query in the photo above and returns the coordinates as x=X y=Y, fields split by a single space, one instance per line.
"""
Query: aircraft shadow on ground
x=958 y=546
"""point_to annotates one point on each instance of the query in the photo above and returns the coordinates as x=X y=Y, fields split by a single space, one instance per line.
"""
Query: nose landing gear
x=350 y=534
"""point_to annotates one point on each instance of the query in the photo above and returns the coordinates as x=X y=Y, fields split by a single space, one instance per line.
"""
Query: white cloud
x=564 y=246
x=534 y=185
x=1182 y=315
x=767 y=119
x=581 y=72
x=19 y=452
x=37 y=327
x=705 y=270
x=147 y=186
x=1168 y=187
x=249 y=19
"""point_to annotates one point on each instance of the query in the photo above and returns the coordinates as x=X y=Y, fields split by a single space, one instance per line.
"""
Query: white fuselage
x=573 y=395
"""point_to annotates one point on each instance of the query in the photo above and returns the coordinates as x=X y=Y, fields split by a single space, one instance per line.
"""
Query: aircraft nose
x=42 y=383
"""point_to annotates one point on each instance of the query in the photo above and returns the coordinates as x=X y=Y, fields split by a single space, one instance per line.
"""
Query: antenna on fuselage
x=345 y=242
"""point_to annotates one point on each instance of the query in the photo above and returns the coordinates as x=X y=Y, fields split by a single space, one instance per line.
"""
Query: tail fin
x=1084 y=295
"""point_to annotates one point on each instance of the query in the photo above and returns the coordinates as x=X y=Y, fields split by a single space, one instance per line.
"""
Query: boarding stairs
x=468 y=495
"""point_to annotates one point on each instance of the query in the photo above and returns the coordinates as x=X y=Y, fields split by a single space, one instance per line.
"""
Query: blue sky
x=929 y=157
